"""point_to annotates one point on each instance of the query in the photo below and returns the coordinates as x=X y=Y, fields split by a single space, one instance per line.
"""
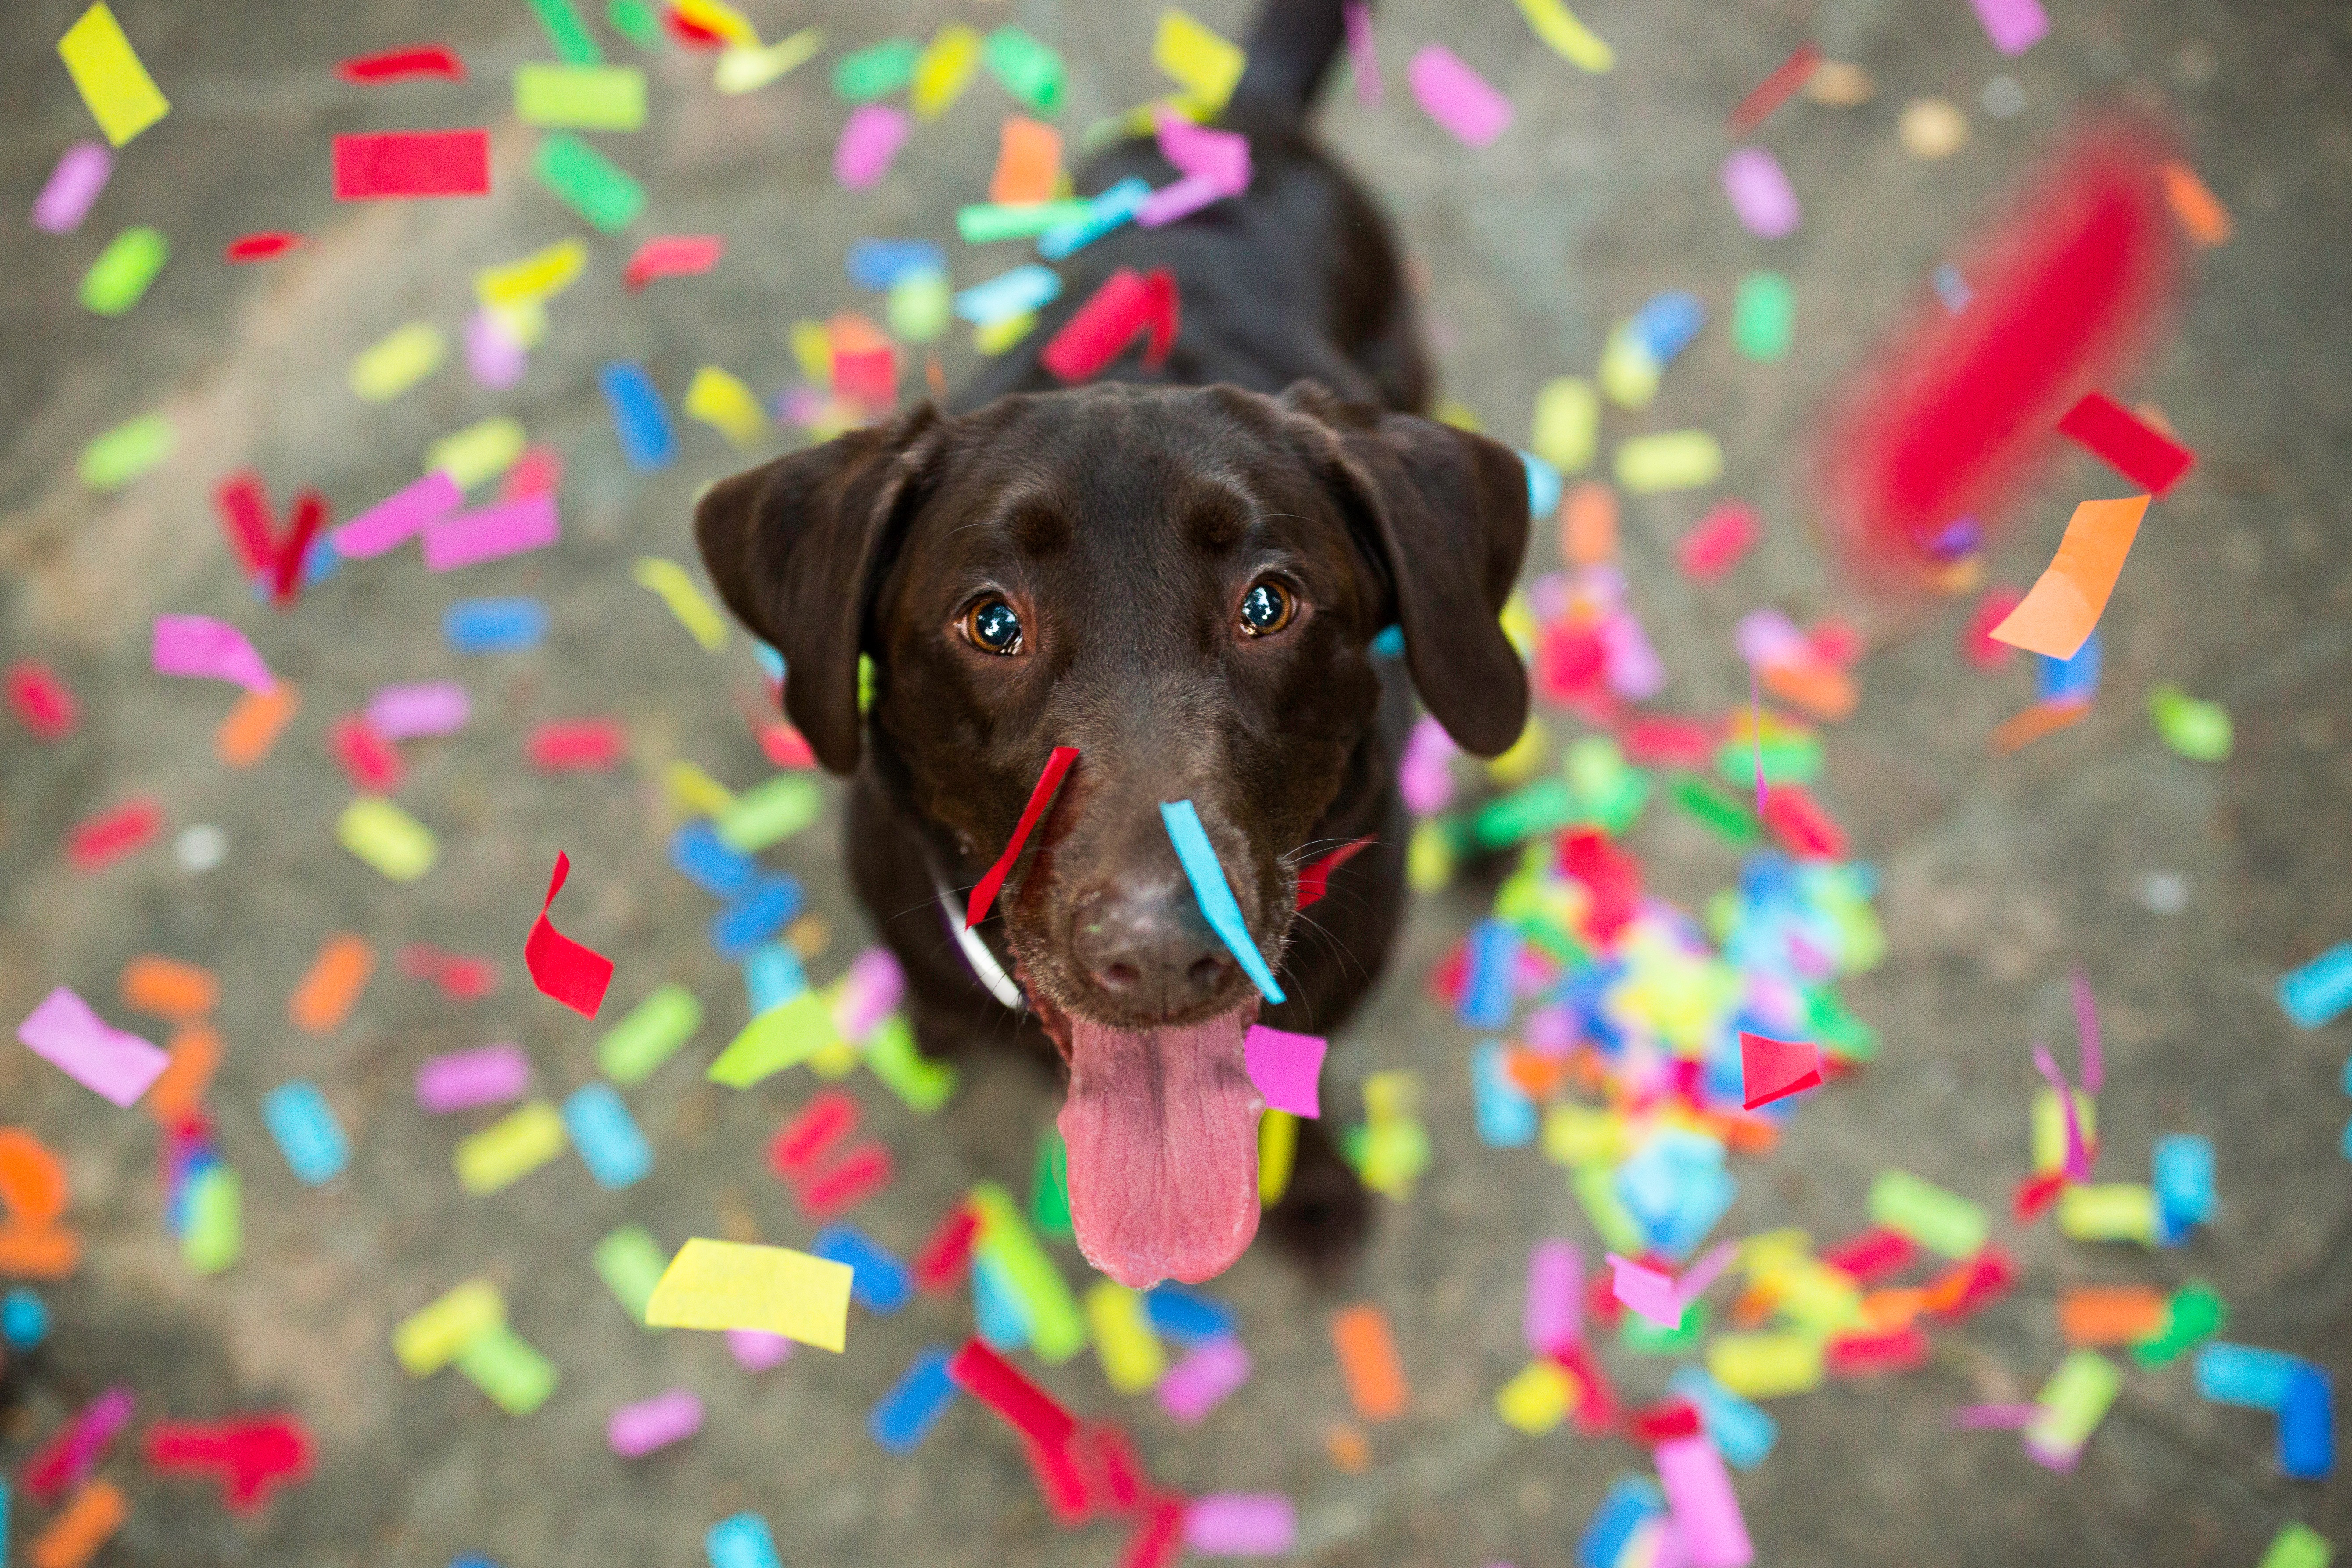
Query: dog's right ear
x=795 y=547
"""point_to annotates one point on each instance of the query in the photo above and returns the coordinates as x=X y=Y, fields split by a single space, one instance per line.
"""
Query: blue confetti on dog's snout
x=1217 y=903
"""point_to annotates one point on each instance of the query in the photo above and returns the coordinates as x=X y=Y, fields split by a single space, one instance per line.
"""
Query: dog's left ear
x=794 y=548
x=1447 y=513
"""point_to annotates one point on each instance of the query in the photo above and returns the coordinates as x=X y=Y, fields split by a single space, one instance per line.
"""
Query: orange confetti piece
x=28 y=1253
x=1588 y=524
x=1028 y=162
x=2111 y=1315
x=1821 y=689
x=2042 y=718
x=2195 y=207
x=1368 y=1362
x=73 y=1538
x=327 y=993
x=32 y=1180
x=253 y=725
x=169 y=988
x=179 y=1089
x=1349 y=1449
x=2056 y=618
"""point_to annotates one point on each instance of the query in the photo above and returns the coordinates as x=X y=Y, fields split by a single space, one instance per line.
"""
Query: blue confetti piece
x=996 y=1311
x=606 y=1135
x=914 y=1403
x=1668 y=323
x=494 y=626
x=753 y=918
x=2319 y=992
x=2245 y=1374
x=707 y=861
x=1116 y=206
x=1632 y=1501
x=1389 y=644
x=1494 y=963
x=1952 y=289
x=772 y=976
x=306 y=1131
x=639 y=416
x=2184 y=1184
x=1028 y=286
x=742 y=1542
x=1706 y=1197
x=878 y=1281
x=1217 y=905
x=1506 y=1117
x=1186 y=1317
x=1544 y=485
x=2306 y=1427
x=470 y=1560
x=1740 y=1431
x=1961 y=536
x=881 y=263
x=2075 y=679
x=23 y=1322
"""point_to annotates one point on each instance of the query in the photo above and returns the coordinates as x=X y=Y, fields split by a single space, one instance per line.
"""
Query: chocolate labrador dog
x=1180 y=569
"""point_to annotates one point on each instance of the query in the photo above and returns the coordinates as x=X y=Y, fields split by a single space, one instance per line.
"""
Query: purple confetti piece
x=2013 y=25
x=1767 y=638
x=1286 y=1068
x=869 y=994
x=1635 y=671
x=1760 y=193
x=1241 y=1524
x=870 y=143
x=459 y=1080
x=2091 y=1060
x=114 y=1065
x=72 y=188
x=1423 y=776
x=1179 y=199
x=424 y=708
x=2078 y=1164
x=1554 y=1313
x=494 y=359
x=1457 y=97
x=755 y=1349
x=492 y=533
x=398 y=518
x=1202 y=1381
x=636 y=1430
x=1361 y=57
x=1706 y=1508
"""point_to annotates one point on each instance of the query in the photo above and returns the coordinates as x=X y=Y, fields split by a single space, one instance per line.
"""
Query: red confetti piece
x=2142 y=454
x=1671 y=742
x=461 y=978
x=397 y=165
x=1613 y=877
x=1596 y=1413
x=690 y=33
x=1062 y=1483
x=573 y=973
x=863 y=1172
x=1109 y=1458
x=244 y=508
x=804 y=1142
x=1315 y=881
x=1873 y=1255
x=576 y=744
x=867 y=374
x=941 y=1262
x=672 y=256
x=310 y=516
x=111 y=836
x=1775 y=90
x=1977 y=645
x=1159 y=1539
x=252 y=1456
x=392 y=65
x=1972 y=1286
x=997 y=1384
x=537 y=472
x=1773 y=1069
x=1127 y=302
x=1663 y=1422
x=369 y=760
x=1836 y=642
x=40 y=701
x=1057 y=763
x=261 y=246
x=1859 y=1356
x=1722 y=537
x=1797 y=819
x=2037 y=1192
x=784 y=746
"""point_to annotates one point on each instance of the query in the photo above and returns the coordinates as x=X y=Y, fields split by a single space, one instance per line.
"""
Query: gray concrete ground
x=1999 y=874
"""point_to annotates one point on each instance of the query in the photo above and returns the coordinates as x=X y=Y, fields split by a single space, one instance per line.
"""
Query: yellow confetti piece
x=523 y=325
x=1208 y=66
x=1000 y=335
x=438 y=1332
x=717 y=16
x=398 y=362
x=387 y=838
x=479 y=452
x=1278 y=1151
x=1567 y=423
x=1132 y=1358
x=721 y=401
x=1629 y=373
x=579 y=98
x=694 y=613
x=1574 y=42
x=122 y=98
x=509 y=1148
x=737 y=1284
x=1670 y=460
x=2108 y=1211
x=694 y=792
x=510 y=1370
x=1537 y=1398
x=743 y=70
x=539 y=277
x=949 y=63
x=1765 y=1366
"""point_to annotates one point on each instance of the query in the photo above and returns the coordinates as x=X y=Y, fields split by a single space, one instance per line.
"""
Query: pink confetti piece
x=1220 y=157
x=493 y=358
x=398 y=518
x=1725 y=534
x=636 y=1430
x=204 y=648
x=1286 y=1068
x=72 y=188
x=424 y=708
x=460 y=1080
x=1202 y=1380
x=1457 y=97
x=1425 y=777
x=1362 y=58
x=2013 y=25
x=1760 y=193
x=491 y=533
x=870 y=143
x=2093 y=1061
x=2078 y=1160
x=1554 y=1313
x=1994 y=1418
x=755 y=1349
x=1768 y=639
x=111 y=1064
x=1179 y=199
x=1635 y=671
x=1646 y=1290
x=1241 y=1524
x=870 y=993
x=1706 y=1509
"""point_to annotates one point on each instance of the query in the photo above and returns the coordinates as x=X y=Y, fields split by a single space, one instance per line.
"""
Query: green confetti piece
x=985 y=223
x=502 y=1364
x=1544 y=806
x=119 y=279
x=783 y=1037
x=1835 y=1028
x=876 y=72
x=919 y=307
x=921 y=1084
x=584 y=98
x=1786 y=760
x=509 y=1148
x=131 y=449
x=1642 y=1337
x=636 y=21
x=437 y=1332
x=630 y=1262
x=1028 y=70
x=1049 y=1189
x=590 y=184
x=771 y=813
x=2195 y=1314
x=1764 y=317
x=1595 y=1185
x=387 y=838
x=650 y=1034
x=1715 y=808
x=2197 y=730
x=480 y=452
x=574 y=44
x=2297 y=1545
x=2073 y=1401
x=1056 y=1330
x=216 y=1230
x=1937 y=1219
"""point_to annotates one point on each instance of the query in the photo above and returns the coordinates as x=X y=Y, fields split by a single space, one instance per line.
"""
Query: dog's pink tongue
x=1163 y=1131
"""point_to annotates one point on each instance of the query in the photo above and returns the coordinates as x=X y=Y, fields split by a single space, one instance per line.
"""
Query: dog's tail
x=1291 y=48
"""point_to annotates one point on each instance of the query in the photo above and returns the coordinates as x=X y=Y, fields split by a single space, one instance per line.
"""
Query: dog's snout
x=1146 y=947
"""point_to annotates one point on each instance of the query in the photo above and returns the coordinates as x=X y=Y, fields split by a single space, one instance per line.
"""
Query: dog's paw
x=1325 y=1216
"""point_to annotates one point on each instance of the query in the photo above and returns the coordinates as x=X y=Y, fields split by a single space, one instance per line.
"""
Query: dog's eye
x=1266 y=609
x=992 y=626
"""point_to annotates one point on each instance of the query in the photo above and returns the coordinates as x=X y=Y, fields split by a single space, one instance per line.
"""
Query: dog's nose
x=1147 y=947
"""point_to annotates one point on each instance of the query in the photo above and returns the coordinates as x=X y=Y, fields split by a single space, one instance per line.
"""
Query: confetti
x=579 y=98
x=40 y=701
x=491 y=533
x=1567 y=38
x=116 y=1066
x=306 y=1131
x=1761 y=196
x=1215 y=895
x=2145 y=457
x=597 y=190
x=460 y=1080
x=387 y=838
x=870 y=143
x=121 y=95
x=2057 y=616
x=561 y=967
x=124 y=272
x=1368 y=1363
x=402 y=164
x=737 y=1284
x=72 y=188
x=1457 y=97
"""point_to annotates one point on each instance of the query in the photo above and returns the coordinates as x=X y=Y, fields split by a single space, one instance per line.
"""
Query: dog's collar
x=975 y=952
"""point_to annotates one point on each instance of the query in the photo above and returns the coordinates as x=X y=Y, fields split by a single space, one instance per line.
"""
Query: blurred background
x=2181 y=888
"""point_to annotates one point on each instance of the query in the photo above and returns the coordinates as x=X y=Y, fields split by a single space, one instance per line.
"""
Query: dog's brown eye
x=1266 y=609
x=992 y=626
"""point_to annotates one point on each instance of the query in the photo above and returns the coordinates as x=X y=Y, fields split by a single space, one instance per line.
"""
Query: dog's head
x=1183 y=585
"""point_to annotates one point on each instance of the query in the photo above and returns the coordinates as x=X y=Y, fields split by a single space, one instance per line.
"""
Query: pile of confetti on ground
x=1647 y=1051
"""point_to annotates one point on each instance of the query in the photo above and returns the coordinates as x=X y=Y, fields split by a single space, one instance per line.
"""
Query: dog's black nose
x=1148 y=948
